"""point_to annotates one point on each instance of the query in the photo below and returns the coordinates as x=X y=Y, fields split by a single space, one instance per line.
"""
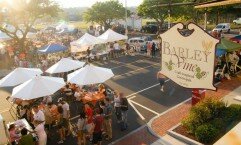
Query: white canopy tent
x=37 y=87
x=111 y=36
x=65 y=65
x=90 y=74
x=84 y=42
x=62 y=26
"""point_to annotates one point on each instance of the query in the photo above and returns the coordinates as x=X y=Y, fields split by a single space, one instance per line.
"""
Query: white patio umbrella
x=19 y=75
x=65 y=65
x=37 y=87
x=90 y=75
x=111 y=36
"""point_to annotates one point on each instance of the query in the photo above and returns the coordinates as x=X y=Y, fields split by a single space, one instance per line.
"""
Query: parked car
x=150 y=28
x=134 y=40
x=222 y=27
x=142 y=41
x=237 y=21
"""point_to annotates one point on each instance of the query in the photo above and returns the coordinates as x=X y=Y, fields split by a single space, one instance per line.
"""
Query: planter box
x=181 y=137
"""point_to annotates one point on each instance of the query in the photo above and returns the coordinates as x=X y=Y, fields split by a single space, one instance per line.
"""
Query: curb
x=150 y=122
x=130 y=133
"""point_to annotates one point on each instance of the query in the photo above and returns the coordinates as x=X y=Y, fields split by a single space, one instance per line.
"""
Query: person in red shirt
x=89 y=115
x=98 y=121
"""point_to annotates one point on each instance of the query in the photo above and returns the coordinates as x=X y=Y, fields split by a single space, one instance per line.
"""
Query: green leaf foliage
x=210 y=119
x=23 y=14
x=206 y=133
x=104 y=13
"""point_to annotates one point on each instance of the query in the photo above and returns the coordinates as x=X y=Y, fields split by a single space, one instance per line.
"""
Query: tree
x=104 y=13
x=19 y=17
x=150 y=9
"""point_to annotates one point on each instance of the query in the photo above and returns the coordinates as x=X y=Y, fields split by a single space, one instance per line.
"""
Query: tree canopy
x=150 y=9
x=104 y=13
x=20 y=16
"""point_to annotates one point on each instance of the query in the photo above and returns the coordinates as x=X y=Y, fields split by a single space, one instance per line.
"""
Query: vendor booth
x=111 y=36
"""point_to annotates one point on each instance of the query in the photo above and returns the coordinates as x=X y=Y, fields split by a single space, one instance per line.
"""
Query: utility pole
x=126 y=30
x=169 y=14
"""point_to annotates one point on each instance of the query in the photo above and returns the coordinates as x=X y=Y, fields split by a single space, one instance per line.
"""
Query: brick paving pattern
x=141 y=137
x=166 y=121
x=163 y=123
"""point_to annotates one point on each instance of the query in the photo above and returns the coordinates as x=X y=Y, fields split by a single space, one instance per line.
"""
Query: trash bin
x=197 y=95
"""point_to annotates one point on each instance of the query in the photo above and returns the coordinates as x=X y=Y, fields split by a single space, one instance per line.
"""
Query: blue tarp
x=236 y=38
x=220 y=52
x=52 y=48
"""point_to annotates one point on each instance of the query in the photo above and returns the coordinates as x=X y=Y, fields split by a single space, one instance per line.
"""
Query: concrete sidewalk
x=156 y=130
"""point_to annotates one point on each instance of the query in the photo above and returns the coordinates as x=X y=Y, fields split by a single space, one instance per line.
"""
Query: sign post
x=189 y=60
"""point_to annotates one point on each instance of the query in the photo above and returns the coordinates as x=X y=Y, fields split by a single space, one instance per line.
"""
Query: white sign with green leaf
x=189 y=60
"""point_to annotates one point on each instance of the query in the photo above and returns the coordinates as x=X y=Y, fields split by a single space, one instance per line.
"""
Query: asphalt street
x=135 y=76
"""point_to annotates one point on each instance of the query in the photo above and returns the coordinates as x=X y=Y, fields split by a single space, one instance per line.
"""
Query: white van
x=222 y=27
x=237 y=21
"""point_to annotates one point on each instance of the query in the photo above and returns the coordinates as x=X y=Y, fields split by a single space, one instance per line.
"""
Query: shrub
x=231 y=113
x=236 y=108
x=218 y=123
x=206 y=133
x=203 y=112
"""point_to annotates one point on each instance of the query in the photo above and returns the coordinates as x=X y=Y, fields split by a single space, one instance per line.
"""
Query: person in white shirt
x=66 y=116
x=38 y=116
x=116 y=49
x=47 y=99
x=82 y=123
x=117 y=105
x=42 y=136
x=78 y=94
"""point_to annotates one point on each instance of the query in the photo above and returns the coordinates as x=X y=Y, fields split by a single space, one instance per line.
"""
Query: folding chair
x=220 y=72
x=13 y=109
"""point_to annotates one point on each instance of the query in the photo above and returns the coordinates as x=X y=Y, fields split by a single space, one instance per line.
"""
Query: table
x=21 y=123
x=93 y=97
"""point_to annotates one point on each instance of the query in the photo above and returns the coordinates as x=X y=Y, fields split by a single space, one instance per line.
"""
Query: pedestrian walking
x=82 y=129
x=98 y=123
x=42 y=136
x=127 y=49
x=149 y=47
x=107 y=112
x=117 y=106
x=124 y=110
x=161 y=78
x=153 y=50
x=60 y=125
x=66 y=116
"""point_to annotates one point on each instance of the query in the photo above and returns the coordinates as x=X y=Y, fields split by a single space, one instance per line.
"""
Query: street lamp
x=133 y=21
x=126 y=30
x=169 y=19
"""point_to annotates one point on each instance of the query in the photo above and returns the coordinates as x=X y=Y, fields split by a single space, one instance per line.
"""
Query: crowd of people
x=227 y=65
x=94 y=123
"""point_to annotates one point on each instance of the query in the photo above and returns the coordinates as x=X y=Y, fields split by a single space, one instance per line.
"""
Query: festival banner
x=189 y=60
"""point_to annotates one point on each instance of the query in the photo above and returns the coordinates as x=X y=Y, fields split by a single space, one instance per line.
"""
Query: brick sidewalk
x=164 y=122
x=140 y=137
